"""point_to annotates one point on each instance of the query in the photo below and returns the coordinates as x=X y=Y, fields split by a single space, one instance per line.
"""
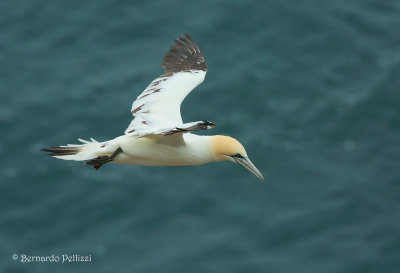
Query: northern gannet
x=157 y=136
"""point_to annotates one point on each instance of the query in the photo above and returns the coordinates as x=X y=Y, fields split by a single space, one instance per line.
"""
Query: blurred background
x=311 y=88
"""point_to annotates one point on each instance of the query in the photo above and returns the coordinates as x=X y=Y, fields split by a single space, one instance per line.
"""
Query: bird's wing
x=158 y=107
x=181 y=129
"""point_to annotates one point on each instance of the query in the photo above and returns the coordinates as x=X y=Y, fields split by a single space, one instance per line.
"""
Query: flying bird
x=157 y=135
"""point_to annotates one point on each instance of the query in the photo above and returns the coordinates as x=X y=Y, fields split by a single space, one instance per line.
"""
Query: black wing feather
x=184 y=55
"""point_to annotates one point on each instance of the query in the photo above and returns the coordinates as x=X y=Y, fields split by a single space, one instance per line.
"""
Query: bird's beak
x=246 y=163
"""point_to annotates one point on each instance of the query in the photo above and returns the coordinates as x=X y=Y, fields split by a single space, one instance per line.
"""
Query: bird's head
x=228 y=148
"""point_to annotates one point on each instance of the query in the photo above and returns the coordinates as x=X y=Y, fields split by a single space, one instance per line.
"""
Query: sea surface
x=311 y=88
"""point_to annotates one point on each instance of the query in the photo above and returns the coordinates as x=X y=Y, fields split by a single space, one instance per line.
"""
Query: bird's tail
x=78 y=152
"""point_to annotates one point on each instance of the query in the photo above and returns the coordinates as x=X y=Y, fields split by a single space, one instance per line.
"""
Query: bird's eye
x=238 y=155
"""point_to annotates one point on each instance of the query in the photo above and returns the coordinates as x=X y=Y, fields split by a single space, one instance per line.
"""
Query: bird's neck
x=201 y=147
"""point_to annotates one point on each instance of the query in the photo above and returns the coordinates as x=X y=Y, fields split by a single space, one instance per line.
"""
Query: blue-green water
x=311 y=88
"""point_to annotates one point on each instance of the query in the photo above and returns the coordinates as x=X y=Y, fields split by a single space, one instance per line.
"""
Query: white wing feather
x=158 y=106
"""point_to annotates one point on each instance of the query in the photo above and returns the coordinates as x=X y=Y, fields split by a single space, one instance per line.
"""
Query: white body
x=174 y=150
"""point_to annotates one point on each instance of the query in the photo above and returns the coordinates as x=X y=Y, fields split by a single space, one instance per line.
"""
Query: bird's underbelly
x=150 y=153
x=125 y=158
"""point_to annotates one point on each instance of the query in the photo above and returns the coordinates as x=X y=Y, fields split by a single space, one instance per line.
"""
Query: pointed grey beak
x=246 y=163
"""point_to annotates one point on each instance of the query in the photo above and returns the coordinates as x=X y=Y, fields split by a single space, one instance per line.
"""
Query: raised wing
x=158 y=107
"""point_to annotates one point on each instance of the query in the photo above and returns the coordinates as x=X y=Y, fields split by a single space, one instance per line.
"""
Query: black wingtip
x=184 y=55
x=209 y=124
